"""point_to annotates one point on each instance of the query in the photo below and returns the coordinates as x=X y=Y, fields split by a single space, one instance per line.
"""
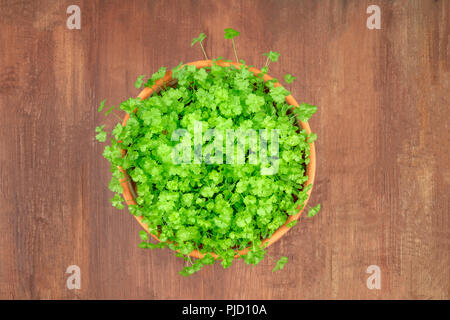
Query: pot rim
x=128 y=191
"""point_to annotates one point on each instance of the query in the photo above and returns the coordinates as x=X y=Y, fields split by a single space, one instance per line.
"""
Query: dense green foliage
x=216 y=208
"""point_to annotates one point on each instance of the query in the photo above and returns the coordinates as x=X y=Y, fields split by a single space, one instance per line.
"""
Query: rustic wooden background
x=383 y=149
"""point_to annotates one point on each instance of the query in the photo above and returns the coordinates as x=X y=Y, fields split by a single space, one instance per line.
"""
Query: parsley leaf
x=101 y=134
x=143 y=235
x=159 y=74
x=272 y=56
x=114 y=185
x=305 y=111
x=230 y=33
x=139 y=81
x=280 y=264
x=117 y=201
x=279 y=94
x=155 y=77
x=102 y=105
x=200 y=38
x=289 y=78
x=292 y=223
x=210 y=206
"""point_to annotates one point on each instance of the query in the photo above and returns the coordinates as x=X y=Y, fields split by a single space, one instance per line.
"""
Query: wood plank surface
x=383 y=148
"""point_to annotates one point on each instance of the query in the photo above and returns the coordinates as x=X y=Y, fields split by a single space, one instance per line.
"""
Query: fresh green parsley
x=102 y=105
x=313 y=211
x=305 y=111
x=199 y=40
x=139 y=81
x=216 y=208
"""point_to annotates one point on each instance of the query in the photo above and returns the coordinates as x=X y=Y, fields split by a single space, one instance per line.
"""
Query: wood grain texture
x=383 y=149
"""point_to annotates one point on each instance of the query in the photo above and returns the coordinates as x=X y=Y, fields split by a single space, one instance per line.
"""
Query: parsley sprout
x=280 y=264
x=139 y=81
x=289 y=78
x=231 y=34
x=313 y=211
x=155 y=77
x=305 y=111
x=101 y=135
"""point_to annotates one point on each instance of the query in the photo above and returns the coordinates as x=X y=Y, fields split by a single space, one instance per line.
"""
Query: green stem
x=267 y=62
x=203 y=49
x=235 y=53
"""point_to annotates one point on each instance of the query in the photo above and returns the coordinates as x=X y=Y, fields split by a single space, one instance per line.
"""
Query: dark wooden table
x=383 y=148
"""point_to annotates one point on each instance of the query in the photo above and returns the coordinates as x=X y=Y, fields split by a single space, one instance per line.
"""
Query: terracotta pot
x=128 y=188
